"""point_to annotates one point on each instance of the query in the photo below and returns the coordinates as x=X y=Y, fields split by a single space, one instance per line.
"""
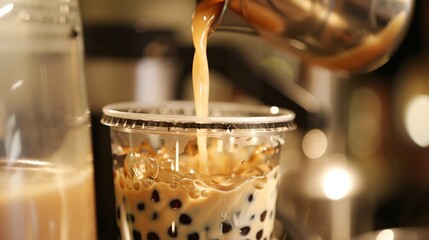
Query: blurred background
x=378 y=123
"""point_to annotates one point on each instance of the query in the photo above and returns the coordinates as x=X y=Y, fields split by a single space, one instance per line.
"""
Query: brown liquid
x=45 y=202
x=205 y=14
x=237 y=203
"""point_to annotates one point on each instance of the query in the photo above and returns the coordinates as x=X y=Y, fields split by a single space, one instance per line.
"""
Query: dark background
x=405 y=206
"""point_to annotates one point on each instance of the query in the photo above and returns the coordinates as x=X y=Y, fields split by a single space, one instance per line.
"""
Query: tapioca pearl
x=259 y=234
x=226 y=227
x=154 y=216
x=141 y=206
x=152 y=236
x=155 y=196
x=250 y=198
x=137 y=235
x=263 y=215
x=244 y=231
x=193 y=236
x=185 y=219
x=172 y=231
x=175 y=204
x=130 y=217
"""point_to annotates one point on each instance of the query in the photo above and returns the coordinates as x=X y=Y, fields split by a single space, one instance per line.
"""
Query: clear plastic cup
x=186 y=177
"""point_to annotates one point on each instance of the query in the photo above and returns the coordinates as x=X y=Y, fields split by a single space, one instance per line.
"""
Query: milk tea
x=197 y=189
x=41 y=201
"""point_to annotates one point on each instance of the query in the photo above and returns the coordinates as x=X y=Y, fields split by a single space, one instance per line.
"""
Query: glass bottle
x=46 y=171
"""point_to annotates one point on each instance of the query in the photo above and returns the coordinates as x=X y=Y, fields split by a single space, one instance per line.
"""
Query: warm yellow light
x=417 y=120
x=331 y=178
x=274 y=110
x=337 y=183
x=386 y=235
x=315 y=143
x=6 y=9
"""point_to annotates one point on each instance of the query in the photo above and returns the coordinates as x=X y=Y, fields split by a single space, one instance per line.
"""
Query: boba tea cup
x=178 y=176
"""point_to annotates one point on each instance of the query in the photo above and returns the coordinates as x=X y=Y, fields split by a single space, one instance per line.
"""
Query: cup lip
x=136 y=115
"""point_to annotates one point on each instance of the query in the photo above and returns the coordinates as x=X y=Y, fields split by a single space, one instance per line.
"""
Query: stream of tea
x=204 y=16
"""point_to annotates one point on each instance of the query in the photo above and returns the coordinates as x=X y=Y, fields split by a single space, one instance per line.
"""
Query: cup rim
x=137 y=115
